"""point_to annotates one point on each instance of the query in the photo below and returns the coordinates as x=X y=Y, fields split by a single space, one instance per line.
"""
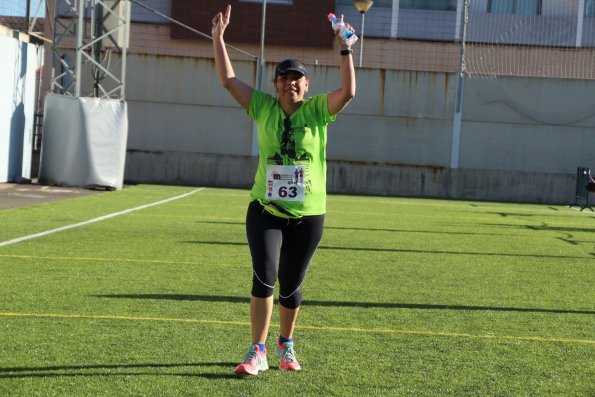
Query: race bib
x=285 y=182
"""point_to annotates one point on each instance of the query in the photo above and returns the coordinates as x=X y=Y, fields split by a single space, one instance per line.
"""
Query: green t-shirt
x=303 y=144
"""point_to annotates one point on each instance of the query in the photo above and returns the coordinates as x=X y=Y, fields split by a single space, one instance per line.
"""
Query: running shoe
x=254 y=361
x=287 y=355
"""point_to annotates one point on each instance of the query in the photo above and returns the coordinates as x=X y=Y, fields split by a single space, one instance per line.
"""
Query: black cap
x=290 y=65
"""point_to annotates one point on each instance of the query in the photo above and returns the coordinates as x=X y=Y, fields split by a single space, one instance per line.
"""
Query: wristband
x=346 y=52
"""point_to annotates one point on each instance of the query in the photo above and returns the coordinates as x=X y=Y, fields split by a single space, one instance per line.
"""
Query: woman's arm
x=338 y=99
x=241 y=91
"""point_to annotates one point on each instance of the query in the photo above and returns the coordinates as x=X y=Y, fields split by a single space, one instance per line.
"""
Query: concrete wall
x=522 y=138
x=529 y=124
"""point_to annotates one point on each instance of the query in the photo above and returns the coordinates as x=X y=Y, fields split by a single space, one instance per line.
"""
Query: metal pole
x=261 y=56
x=458 y=116
x=259 y=73
x=361 y=46
x=55 y=60
x=97 y=31
x=128 y=17
x=79 y=44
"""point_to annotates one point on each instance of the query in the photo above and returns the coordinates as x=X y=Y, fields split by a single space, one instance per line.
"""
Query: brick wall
x=198 y=14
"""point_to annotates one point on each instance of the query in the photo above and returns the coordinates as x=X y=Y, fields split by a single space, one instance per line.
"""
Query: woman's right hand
x=220 y=22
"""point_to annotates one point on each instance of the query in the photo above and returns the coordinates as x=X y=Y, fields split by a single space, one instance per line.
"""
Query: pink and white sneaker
x=254 y=362
x=287 y=355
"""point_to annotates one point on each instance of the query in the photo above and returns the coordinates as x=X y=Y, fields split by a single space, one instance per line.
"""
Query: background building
x=524 y=122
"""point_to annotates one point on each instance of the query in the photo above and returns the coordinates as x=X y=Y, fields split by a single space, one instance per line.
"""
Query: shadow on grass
x=91 y=370
x=382 y=305
x=543 y=227
x=571 y=241
x=409 y=251
x=371 y=229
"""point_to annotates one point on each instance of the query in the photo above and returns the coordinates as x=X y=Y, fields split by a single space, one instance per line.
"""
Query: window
x=440 y=5
x=519 y=7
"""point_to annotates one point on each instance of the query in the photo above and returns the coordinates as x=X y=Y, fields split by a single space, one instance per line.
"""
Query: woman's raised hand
x=220 y=22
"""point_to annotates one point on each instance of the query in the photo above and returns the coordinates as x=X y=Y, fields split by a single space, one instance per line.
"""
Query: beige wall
x=394 y=138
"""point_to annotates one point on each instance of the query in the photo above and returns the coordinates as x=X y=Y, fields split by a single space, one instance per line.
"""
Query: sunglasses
x=287 y=144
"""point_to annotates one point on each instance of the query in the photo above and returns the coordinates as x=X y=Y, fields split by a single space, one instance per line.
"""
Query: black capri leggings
x=281 y=248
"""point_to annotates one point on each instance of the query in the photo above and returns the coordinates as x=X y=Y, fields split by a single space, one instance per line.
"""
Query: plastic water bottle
x=345 y=34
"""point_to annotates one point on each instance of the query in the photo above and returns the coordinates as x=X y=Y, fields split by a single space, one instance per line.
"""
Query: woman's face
x=291 y=87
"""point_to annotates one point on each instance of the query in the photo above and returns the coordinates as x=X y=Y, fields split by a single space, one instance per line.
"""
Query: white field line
x=99 y=219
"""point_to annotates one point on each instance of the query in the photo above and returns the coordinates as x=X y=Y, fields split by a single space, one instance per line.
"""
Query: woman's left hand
x=341 y=43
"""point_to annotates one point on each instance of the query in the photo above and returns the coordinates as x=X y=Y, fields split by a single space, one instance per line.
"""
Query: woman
x=288 y=199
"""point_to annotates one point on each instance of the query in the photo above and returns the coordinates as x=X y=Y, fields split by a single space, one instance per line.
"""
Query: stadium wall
x=522 y=138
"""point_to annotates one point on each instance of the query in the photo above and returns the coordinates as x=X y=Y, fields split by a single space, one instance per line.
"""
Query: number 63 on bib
x=285 y=182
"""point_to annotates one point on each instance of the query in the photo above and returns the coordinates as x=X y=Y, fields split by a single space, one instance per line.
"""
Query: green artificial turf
x=404 y=297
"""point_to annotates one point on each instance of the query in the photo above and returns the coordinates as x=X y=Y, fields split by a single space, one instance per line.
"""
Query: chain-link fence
x=530 y=38
x=501 y=37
